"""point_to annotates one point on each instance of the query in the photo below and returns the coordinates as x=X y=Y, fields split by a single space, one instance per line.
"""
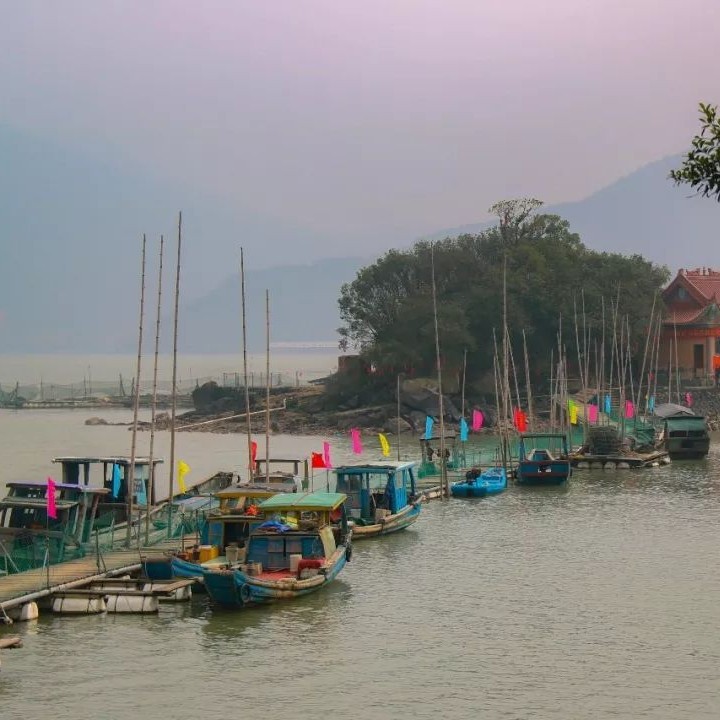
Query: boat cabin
x=238 y=513
x=24 y=519
x=375 y=490
x=543 y=447
x=280 y=472
x=684 y=435
x=307 y=526
x=112 y=474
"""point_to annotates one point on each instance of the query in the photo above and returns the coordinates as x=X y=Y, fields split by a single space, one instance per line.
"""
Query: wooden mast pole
x=150 y=493
x=130 y=480
x=173 y=407
x=444 y=490
x=398 y=418
x=267 y=386
x=245 y=365
x=527 y=382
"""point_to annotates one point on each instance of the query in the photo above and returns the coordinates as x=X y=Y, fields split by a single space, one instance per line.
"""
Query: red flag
x=520 y=418
x=318 y=461
x=253 y=451
x=51 y=507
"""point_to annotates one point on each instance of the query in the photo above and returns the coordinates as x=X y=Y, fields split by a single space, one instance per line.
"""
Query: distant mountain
x=303 y=307
x=70 y=237
x=641 y=213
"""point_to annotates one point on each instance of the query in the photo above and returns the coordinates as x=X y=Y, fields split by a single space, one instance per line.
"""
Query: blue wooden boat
x=223 y=535
x=382 y=497
x=543 y=459
x=479 y=484
x=301 y=548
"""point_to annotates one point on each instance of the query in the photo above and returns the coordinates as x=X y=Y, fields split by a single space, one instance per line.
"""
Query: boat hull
x=237 y=589
x=491 y=482
x=390 y=524
x=530 y=472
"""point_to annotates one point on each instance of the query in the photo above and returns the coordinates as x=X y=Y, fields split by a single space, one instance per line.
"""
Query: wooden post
x=173 y=408
x=245 y=367
x=150 y=490
x=267 y=387
x=527 y=381
x=398 y=418
x=130 y=480
x=445 y=490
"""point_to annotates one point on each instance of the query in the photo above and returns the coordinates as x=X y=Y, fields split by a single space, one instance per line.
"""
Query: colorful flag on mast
x=115 y=480
x=326 y=454
x=183 y=470
x=384 y=445
x=428 y=427
x=463 y=430
x=317 y=461
x=356 y=441
x=51 y=506
x=477 y=420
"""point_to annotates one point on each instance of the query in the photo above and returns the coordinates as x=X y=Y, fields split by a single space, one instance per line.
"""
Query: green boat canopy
x=303 y=502
x=686 y=423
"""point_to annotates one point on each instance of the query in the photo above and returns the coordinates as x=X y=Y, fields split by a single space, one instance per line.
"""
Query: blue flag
x=608 y=404
x=463 y=430
x=115 y=480
x=140 y=494
x=651 y=403
x=428 y=427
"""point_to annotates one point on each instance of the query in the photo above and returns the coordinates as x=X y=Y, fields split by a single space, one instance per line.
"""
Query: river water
x=600 y=600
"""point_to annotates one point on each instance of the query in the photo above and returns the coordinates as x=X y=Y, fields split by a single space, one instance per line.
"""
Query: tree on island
x=387 y=310
x=701 y=166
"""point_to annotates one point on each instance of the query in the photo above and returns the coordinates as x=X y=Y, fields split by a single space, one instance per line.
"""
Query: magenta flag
x=356 y=441
x=592 y=413
x=477 y=420
x=326 y=454
x=688 y=399
x=629 y=409
x=51 y=508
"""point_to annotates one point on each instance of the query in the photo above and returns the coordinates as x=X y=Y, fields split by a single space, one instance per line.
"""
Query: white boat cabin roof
x=113 y=459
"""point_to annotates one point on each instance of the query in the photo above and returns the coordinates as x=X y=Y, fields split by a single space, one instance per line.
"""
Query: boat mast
x=173 y=407
x=130 y=479
x=150 y=492
x=444 y=489
x=462 y=400
x=245 y=365
x=398 y=418
x=527 y=382
x=267 y=386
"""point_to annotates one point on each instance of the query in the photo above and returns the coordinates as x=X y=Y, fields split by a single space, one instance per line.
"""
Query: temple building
x=692 y=315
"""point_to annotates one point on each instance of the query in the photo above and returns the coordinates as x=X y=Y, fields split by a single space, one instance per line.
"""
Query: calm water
x=595 y=601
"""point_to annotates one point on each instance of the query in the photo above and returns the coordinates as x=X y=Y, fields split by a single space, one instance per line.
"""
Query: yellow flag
x=183 y=470
x=384 y=444
x=573 y=414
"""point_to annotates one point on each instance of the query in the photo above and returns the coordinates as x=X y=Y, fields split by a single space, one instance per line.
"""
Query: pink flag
x=326 y=454
x=592 y=413
x=477 y=420
x=51 y=508
x=356 y=442
x=629 y=409
x=688 y=399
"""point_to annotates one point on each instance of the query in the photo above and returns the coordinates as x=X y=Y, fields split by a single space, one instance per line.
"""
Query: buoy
x=609 y=466
x=583 y=465
x=23 y=613
x=596 y=466
x=78 y=604
x=125 y=603
x=623 y=466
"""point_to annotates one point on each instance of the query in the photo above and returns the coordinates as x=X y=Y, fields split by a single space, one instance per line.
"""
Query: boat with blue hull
x=543 y=459
x=479 y=483
x=382 y=496
x=301 y=548
x=223 y=535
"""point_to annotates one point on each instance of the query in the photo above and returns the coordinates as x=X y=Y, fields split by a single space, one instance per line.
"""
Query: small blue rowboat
x=477 y=484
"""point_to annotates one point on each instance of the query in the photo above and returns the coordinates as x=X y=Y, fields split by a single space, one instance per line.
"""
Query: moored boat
x=301 y=546
x=543 y=459
x=684 y=435
x=382 y=496
x=480 y=483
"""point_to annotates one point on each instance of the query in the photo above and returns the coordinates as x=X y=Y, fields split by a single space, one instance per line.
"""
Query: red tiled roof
x=706 y=281
x=680 y=317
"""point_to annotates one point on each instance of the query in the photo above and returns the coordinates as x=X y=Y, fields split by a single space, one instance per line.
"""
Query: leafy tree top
x=701 y=166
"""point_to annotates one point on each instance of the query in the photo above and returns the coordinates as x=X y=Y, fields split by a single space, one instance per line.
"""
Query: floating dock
x=20 y=592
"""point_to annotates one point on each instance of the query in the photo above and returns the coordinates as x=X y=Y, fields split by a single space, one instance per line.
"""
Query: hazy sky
x=382 y=118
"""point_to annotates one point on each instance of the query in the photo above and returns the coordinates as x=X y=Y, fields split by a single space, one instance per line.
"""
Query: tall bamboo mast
x=462 y=396
x=398 y=418
x=151 y=477
x=173 y=410
x=445 y=490
x=527 y=382
x=245 y=364
x=130 y=480
x=267 y=386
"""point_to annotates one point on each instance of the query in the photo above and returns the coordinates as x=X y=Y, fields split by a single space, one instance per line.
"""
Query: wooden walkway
x=20 y=588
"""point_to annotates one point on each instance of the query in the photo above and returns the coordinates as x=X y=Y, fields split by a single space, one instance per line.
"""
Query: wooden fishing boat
x=280 y=472
x=222 y=538
x=285 y=561
x=382 y=496
x=543 y=459
x=480 y=483
x=684 y=435
x=29 y=539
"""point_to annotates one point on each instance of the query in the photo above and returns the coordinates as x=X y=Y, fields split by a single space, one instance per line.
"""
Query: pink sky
x=381 y=118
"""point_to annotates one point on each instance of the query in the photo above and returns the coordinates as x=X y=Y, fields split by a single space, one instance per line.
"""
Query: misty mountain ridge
x=69 y=279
